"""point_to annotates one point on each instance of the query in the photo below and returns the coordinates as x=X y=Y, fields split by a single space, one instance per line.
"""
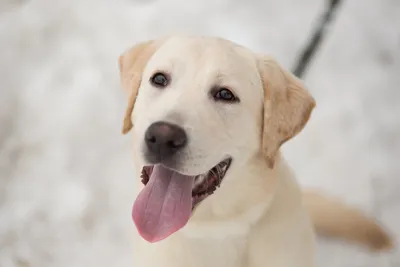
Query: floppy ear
x=131 y=65
x=287 y=107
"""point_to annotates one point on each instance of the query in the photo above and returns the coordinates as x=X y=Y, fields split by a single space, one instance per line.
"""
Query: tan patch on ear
x=131 y=65
x=287 y=107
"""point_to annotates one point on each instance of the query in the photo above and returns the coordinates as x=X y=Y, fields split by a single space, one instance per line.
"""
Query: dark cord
x=316 y=38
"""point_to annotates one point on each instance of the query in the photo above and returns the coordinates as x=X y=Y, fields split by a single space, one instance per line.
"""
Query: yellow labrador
x=208 y=118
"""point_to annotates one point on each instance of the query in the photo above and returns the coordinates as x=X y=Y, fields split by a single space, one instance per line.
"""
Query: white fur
x=256 y=217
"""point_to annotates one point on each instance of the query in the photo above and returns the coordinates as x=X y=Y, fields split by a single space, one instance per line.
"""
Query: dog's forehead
x=201 y=51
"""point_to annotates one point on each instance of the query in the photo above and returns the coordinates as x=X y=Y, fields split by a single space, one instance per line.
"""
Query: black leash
x=316 y=38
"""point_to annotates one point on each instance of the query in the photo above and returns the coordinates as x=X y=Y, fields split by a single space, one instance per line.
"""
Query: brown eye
x=224 y=94
x=159 y=80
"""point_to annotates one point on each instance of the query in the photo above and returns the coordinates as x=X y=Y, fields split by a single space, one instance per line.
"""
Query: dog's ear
x=131 y=65
x=287 y=107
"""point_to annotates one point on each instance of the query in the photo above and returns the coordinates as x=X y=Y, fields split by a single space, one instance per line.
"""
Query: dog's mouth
x=204 y=184
x=166 y=202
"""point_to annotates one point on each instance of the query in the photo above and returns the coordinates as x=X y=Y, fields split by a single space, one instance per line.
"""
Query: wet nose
x=164 y=139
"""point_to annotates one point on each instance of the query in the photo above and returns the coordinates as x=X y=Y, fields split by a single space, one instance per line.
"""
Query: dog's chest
x=185 y=252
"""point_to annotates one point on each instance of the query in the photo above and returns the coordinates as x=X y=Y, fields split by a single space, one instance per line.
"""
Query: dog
x=208 y=118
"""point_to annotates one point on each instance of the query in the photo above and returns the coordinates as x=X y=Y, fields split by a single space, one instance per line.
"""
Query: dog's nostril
x=171 y=144
x=176 y=143
x=151 y=139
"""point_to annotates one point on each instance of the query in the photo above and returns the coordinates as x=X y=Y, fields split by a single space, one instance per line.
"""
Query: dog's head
x=198 y=105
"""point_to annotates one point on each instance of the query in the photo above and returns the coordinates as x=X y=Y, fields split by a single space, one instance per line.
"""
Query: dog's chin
x=204 y=185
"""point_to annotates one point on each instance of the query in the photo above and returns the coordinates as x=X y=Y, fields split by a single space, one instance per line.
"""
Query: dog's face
x=198 y=105
x=211 y=93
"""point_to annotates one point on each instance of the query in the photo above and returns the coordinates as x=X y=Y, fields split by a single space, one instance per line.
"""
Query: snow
x=65 y=170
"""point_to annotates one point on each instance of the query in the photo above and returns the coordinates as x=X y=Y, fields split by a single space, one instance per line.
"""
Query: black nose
x=163 y=140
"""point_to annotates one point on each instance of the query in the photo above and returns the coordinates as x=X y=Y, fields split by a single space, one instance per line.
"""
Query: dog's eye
x=159 y=80
x=224 y=94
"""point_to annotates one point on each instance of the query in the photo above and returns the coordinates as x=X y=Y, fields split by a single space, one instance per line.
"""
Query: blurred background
x=65 y=169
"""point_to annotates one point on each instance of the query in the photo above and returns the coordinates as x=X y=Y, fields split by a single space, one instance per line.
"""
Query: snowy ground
x=65 y=173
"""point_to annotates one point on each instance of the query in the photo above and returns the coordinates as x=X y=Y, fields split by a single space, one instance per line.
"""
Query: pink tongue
x=164 y=205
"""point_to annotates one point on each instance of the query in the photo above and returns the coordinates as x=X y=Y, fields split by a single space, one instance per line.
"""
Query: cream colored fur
x=258 y=217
